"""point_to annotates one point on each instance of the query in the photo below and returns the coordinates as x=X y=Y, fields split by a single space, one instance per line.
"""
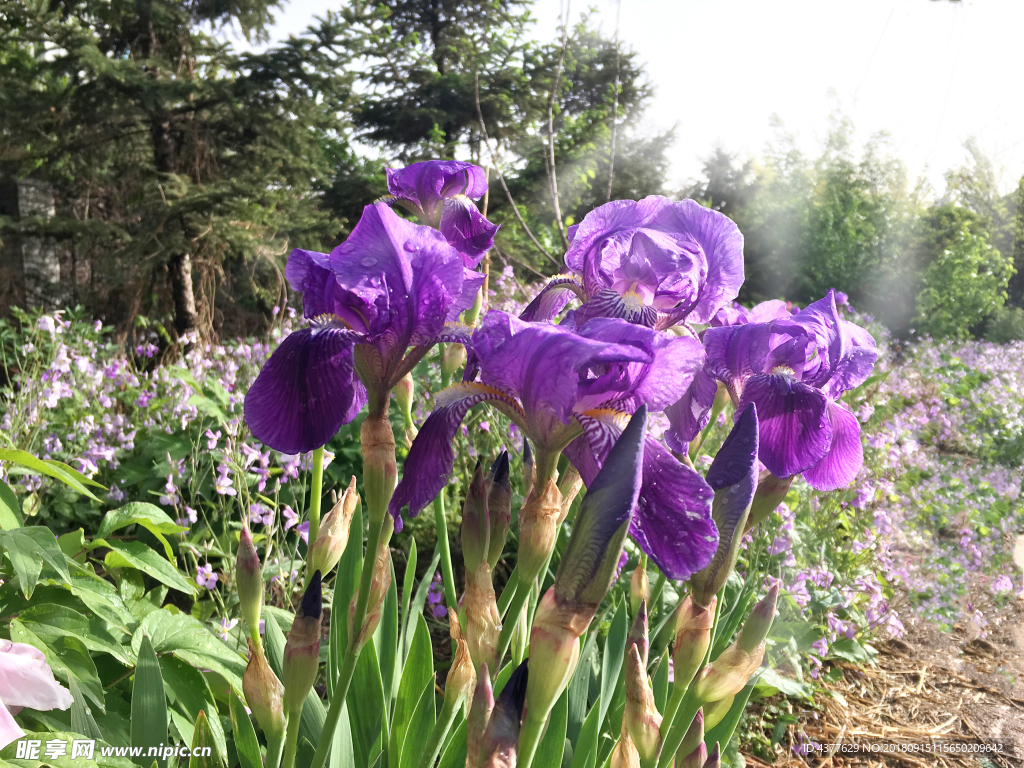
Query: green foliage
x=1006 y=325
x=964 y=286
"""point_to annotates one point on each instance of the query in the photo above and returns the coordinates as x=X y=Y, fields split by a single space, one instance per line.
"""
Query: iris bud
x=692 y=753
x=475 y=525
x=693 y=637
x=569 y=486
x=529 y=469
x=715 y=758
x=478 y=717
x=264 y=693
x=733 y=478
x=453 y=358
x=641 y=717
x=380 y=583
x=520 y=635
x=771 y=491
x=332 y=537
x=249 y=583
x=499 y=508
x=498 y=747
x=302 y=650
x=461 y=677
x=717 y=710
x=638 y=633
x=483 y=622
x=554 y=649
x=380 y=472
x=625 y=755
x=755 y=628
x=538 y=528
x=404 y=390
x=727 y=674
x=639 y=588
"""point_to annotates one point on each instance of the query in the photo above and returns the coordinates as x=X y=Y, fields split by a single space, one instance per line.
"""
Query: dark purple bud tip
x=312 y=600
x=499 y=470
x=737 y=457
x=527 y=453
x=715 y=758
x=513 y=695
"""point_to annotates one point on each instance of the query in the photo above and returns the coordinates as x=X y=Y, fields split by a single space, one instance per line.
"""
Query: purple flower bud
x=733 y=477
x=461 y=676
x=755 y=628
x=715 y=758
x=332 y=537
x=483 y=622
x=624 y=755
x=727 y=674
x=380 y=583
x=499 y=508
x=249 y=582
x=498 y=747
x=478 y=717
x=475 y=523
x=639 y=588
x=641 y=717
x=302 y=650
x=264 y=693
x=529 y=468
x=380 y=471
x=771 y=491
x=692 y=753
x=693 y=638
x=638 y=633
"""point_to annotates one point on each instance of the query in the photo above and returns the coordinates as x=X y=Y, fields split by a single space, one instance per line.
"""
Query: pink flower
x=206 y=577
x=26 y=680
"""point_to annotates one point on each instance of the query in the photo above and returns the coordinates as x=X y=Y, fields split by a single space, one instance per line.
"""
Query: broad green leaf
x=99 y=595
x=149 y=516
x=186 y=688
x=68 y=657
x=771 y=682
x=611 y=657
x=52 y=621
x=585 y=748
x=342 y=754
x=28 y=548
x=420 y=726
x=346 y=582
x=51 y=468
x=73 y=545
x=552 y=745
x=192 y=642
x=388 y=649
x=10 y=508
x=369 y=718
x=579 y=689
x=135 y=554
x=149 y=704
x=661 y=682
x=419 y=600
x=243 y=735
x=454 y=755
x=419 y=670
x=204 y=751
x=82 y=720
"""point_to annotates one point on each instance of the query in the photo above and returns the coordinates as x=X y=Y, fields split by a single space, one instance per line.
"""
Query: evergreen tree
x=176 y=164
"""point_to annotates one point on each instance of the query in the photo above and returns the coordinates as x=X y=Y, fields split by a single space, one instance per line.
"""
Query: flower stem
x=529 y=737
x=509 y=591
x=449 y=709
x=275 y=746
x=291 y=738
x=511 y=619
x=315 y=494
x=334 y=713
x=682 y=716
x=451 y=597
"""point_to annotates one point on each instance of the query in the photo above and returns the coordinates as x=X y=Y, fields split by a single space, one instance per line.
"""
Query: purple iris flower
x=737 y=314
x=655 y=262
x=794 y=369
x=390 y=286
x=565 y=387
x=441 y=194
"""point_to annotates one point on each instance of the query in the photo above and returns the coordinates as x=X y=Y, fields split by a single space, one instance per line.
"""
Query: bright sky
x=929 y=73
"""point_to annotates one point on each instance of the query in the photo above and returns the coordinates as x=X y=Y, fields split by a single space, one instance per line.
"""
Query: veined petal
x=305 y=392
x=857 y=361
x=737 y=352
x=309 y=273
x=466 y=229
x=845 y=456
x=608 y=303
x=10 y=731
x=673 y=521
x=552 y=299
x=690 y=414
x=795 y=433
x=431 y=456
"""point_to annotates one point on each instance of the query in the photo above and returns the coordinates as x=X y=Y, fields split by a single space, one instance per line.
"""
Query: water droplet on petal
x=369 y=261
x=411 y=247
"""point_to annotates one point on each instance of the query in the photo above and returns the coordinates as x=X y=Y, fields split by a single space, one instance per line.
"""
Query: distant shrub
x=1005 y=326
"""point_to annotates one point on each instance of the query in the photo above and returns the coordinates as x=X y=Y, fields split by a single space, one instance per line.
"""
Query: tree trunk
x=185 y=316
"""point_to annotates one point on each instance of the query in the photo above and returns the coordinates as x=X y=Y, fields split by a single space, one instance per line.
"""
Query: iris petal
x=672 y=523
x=466 y=229
x=845 y=455
x=431 y=456
x=305 y=392
x=551 y=300
x=690 y=414
x=795 y=433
